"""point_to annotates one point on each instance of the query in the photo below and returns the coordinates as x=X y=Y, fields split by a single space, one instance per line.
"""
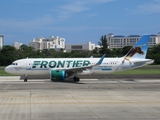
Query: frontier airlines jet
x=61 y=68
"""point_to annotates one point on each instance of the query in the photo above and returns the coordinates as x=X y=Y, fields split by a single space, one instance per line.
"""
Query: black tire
x=76 y=79
x=25 y=80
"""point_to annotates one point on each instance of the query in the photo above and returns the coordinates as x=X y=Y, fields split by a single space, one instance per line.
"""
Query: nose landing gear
x=25 y=79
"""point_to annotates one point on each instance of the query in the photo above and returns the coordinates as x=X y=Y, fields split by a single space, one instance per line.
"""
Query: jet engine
x=57 y=74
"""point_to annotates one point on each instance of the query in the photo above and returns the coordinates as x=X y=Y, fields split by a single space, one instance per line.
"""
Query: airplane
x=62 y=68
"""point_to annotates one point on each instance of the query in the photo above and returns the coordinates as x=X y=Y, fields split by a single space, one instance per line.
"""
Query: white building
x=119 y=41
x=37 y=43
x=88 y=46
x=1 y=41
x=17 y=45
x=48 y=43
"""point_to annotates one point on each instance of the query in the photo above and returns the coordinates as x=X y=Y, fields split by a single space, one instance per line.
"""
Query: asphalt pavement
x=90 y=99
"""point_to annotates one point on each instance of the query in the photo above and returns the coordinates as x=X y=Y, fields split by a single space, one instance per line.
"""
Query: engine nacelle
x=57 y=74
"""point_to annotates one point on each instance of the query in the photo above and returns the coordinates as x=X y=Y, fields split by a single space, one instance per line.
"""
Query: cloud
x=67 y=10
x=150 y=8
x=26 y=25
x=73 y=7
x=60 y=13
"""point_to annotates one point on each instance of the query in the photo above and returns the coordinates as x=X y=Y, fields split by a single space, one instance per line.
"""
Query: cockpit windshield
x=14 y=64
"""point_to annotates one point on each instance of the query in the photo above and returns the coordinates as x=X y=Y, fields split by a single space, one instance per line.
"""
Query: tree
x=153 y=53
x=104 y=46
x=7 y=55
x=95 y=52
x=126 y=49
x=23 y=47
x=116 y=52
x=26 y=51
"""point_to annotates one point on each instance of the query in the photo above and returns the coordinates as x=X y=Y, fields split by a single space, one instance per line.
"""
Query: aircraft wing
x=84 y=67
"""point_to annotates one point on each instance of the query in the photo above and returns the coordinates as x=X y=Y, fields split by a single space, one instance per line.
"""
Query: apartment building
x=53 y=42
x=88 y=46
x=17 y=45
x=1 y=41
x=119 y=41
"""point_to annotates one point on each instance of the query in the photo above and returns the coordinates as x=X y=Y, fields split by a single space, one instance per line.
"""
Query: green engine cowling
x=57 y=74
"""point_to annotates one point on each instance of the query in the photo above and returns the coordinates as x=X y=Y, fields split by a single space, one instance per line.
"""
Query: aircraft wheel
x=76 y=79
x=25 y=80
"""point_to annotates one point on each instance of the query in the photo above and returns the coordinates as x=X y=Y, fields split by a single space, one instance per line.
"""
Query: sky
x=78 y=21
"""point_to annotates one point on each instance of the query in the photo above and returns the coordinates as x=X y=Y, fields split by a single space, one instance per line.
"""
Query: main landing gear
x=76 y=79
x=25 y=79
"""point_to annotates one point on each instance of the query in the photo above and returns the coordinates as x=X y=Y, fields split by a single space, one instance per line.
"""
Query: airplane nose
x=7 y=69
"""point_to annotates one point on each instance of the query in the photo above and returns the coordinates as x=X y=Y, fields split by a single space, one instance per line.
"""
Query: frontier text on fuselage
x=61 y=64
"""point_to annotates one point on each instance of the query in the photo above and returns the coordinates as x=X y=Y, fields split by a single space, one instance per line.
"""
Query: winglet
x=101 y=60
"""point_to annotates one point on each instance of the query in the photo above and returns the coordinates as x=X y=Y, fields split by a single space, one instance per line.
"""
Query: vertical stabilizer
x=139 y=50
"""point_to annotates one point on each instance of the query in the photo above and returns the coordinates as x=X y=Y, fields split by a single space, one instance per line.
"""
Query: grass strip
x=140 y=71
x=150 y=69
x=4 y=73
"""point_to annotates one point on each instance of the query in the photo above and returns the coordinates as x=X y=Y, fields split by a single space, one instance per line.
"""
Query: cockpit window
x=14 y=64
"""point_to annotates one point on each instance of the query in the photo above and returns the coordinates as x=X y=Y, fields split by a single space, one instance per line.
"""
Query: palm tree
x=104 y=46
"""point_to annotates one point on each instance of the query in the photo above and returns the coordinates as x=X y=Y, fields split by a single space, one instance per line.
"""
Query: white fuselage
x=43 y=66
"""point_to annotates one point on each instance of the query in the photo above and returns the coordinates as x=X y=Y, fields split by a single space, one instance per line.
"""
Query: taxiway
x=90 y=99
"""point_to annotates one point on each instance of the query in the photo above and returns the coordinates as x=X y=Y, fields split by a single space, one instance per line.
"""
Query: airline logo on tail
x=139 y=50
